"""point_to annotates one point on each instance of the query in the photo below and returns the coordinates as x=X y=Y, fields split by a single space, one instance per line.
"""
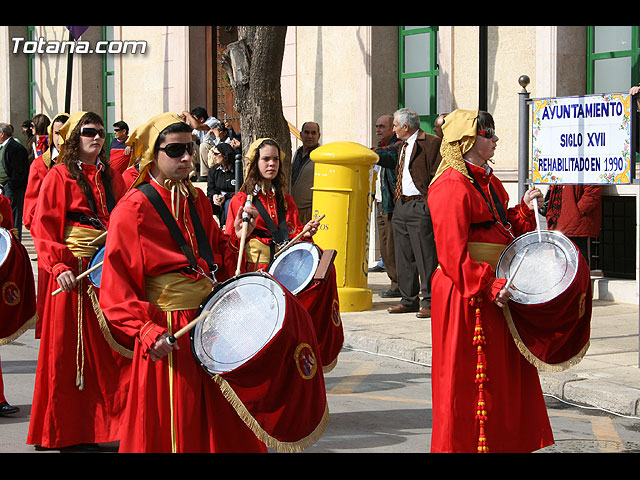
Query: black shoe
x=377 y=268
x=390 y=294
x=6 y=409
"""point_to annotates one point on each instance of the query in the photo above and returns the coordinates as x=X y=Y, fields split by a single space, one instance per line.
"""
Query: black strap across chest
x=496 y=201
x=279 y=233
x=204 y=246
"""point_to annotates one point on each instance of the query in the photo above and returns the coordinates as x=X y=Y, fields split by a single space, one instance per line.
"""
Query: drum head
x=549 y=266
x=5 y=244
x=96 y=275
x=246 y=312
x=295 y=268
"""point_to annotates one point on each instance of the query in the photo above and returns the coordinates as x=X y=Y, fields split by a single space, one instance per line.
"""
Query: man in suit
x=416 y=258
x=14 y=171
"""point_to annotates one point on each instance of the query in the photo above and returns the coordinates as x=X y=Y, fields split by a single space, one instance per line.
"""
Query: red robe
x=515 y=417
x=37 y=172
x=72 y=345
x=173 y=394
x=320 y=298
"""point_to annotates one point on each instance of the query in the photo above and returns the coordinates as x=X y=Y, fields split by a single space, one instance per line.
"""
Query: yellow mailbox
x=343 y=191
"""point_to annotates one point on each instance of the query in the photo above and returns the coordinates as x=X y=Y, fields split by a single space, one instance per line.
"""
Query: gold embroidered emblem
x=305 y=361
x=10 y=293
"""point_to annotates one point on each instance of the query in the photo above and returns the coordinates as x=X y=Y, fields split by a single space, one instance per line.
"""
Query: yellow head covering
x=68 y=127
x=459 y=134
x=46 y=156
x=143 y=141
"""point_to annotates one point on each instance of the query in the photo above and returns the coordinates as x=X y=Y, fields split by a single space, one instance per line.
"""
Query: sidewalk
x=608 y=377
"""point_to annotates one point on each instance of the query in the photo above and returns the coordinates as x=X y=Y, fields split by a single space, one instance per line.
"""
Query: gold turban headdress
x=142 y=141
x=459 y=134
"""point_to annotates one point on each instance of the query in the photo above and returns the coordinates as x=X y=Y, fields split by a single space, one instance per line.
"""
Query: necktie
x=400 y=169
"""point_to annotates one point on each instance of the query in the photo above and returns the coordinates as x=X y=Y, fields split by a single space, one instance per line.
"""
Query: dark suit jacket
x=424 y=161
x=15 y=159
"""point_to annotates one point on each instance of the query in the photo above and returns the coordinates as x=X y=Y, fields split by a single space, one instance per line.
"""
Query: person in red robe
x=265 y=181
x=82 y=373
x=38 y=169
x=150 y=290
x=17 y=291
x=486 y=396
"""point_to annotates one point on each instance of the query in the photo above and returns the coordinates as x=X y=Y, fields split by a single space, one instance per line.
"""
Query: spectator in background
x=387 y=140
x=302 y=169
x=576 y=211
x=221 y=181
x=415 y=247
x=119 y=151
x=27 y=131
x=203 y=136
x=14 y=172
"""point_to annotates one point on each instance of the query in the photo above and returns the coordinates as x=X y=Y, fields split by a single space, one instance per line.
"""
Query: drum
x=549 y=313
x=96 y=275
x=549 y=266
x=17 y=289
x=259 y=344
x=296 y=266
x=6 y=240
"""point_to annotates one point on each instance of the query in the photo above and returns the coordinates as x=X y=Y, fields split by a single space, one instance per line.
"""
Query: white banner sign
x=582 y=140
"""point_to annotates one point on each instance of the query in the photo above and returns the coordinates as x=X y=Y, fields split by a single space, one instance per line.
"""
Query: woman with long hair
x=82 y=373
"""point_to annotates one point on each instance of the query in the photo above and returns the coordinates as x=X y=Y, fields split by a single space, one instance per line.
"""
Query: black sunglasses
x=487 y=133
x=176 y=150
x=92 y=132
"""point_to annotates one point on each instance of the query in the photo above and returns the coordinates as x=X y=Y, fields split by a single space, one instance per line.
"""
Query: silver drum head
x=245 y=314
x=5 y=244
x=548 y=268
x=295 y=268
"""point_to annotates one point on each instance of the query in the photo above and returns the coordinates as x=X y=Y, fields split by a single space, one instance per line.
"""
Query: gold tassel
x=104 y=327
x=535 y=361
x=268 y=440
x=479 y=340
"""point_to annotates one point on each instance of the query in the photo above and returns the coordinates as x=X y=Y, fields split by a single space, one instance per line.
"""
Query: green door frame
x=426 y=121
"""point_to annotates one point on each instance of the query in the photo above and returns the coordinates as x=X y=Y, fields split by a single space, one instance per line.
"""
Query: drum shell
x=95 y=277
x=554 y=335
x=17 y=290
x=279 y=392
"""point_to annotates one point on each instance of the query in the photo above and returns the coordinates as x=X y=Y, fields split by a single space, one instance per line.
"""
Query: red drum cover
x=321 y=301
x=17 y=290
x=554 y=335
x=280 y=392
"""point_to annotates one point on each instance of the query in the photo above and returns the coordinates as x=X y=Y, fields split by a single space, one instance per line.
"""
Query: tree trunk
x=254 y=65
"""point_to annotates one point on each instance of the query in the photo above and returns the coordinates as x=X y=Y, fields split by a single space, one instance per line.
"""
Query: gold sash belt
x=77 y=240
x=174 y=291
x=486 y=252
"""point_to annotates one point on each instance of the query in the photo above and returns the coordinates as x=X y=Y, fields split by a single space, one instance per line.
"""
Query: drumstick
x=98 y=239
x=297 y=237
x=535 y=212
x=243 y=238
x=515 y=270
x=82 y=275
x=171 y=339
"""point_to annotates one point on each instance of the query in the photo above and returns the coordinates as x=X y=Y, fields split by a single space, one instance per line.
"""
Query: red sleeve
x=37 y=171
x=451 y=207
x=591 y=198
x=49 y=222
